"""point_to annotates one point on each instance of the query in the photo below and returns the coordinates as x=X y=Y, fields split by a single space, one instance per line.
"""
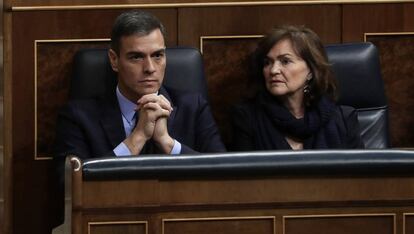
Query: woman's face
x=285 y=72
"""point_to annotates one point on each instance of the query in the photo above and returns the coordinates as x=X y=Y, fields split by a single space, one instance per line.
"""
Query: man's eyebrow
x=159 y=51
x=134 y=53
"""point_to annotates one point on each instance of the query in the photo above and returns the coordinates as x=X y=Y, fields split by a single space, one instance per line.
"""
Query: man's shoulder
x=84 y=103
x=184 y=97
x=89 y=107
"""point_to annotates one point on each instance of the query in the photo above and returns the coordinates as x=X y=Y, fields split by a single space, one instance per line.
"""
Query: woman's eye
x=285 y=61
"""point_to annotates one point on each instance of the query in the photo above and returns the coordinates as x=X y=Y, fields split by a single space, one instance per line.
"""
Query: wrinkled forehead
x=149 y=43
x=284 y=46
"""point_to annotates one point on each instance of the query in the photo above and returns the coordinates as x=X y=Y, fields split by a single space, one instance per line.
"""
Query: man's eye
x=136 y=57
x=158 y=55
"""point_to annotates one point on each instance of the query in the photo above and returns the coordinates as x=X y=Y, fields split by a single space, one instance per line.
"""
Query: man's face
x=140 y=64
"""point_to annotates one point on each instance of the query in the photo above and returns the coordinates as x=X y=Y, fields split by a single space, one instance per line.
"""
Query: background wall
x=41 y=38
x=2 y=162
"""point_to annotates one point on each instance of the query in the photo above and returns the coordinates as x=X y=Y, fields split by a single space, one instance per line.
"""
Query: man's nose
x=149 y=67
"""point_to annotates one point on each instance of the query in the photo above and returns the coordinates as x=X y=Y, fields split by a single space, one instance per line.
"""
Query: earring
x=306 y=88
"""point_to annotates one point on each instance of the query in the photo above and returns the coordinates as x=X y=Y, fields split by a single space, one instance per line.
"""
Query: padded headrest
x=357 y=68
x=92 y=73
x=284 y=163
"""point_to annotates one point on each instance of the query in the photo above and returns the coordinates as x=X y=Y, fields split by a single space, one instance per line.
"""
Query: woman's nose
x=275 y=68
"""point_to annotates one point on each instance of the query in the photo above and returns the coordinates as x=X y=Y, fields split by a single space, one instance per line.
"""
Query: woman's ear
x=309 y=76
x=113 y=58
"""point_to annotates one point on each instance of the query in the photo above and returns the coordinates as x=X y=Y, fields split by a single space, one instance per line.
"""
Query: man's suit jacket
x=93 y=128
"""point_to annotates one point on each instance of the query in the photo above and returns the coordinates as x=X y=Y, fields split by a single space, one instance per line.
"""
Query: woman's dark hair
x=134 y=22
x=309 y=47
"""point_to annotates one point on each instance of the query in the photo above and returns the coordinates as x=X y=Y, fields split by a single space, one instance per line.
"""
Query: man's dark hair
x=134 y=22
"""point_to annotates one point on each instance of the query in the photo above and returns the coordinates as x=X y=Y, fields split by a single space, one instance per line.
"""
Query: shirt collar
x=127 y=107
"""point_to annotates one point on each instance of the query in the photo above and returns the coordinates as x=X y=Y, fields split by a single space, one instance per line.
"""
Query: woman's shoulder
x=245 y=107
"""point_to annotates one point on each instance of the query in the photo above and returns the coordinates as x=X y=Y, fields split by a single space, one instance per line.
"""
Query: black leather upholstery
x=92 y=74
x=286 y=163
x=357 y=69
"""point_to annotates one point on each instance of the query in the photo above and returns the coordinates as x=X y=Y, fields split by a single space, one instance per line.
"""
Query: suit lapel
x=112 y=120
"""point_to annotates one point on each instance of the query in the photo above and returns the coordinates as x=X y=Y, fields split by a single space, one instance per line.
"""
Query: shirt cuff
x=176 y=148
x=122 y=150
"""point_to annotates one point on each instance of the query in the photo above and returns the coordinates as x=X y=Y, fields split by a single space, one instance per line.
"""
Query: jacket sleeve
x=242 y=129
x=70 y=139
x=208 y=137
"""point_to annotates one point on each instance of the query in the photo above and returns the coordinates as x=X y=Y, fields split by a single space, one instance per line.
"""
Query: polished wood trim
x=117 y=223
x=202 y=4
x=7 y=122
x=219 y=218
x=203 y=38
x=404 y=222
x=36 y=42
x=340 y=215
x=386 y=34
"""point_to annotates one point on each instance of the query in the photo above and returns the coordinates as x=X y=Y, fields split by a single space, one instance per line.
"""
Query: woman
x=295 y=106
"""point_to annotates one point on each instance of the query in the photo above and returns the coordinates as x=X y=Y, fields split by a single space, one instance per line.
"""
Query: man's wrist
x=166 y=144
x=135 y=142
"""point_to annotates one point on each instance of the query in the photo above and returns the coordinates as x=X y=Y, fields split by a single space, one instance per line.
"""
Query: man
x=140 y=116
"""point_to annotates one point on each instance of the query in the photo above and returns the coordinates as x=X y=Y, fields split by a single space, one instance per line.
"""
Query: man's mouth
x=148 y=81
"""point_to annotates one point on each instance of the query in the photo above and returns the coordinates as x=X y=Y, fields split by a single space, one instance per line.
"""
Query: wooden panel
x=214 y=204
x=382 y=18
x=226 y=62
x=2 y=182
x=252 y=225
x=54 y=65
x=179 y=3
x=372 y=18
x=36 y=203
x=2 y=167
x=2 y=230
x=397 y=56
x=265 y=190
x=117 y=228
x=1 y=116
x=219 y=21
x=225 y=59
x=355 y=224
x=409 y=223
x=233 y=191
x=7 y=127
x=146 y=192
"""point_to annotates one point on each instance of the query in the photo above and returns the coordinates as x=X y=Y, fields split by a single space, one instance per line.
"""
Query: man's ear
x=113 y=58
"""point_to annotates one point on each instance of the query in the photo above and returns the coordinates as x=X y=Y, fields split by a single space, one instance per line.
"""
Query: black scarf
x=317 y=129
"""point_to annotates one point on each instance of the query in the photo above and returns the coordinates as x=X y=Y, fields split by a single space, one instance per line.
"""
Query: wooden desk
x=244 y=204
